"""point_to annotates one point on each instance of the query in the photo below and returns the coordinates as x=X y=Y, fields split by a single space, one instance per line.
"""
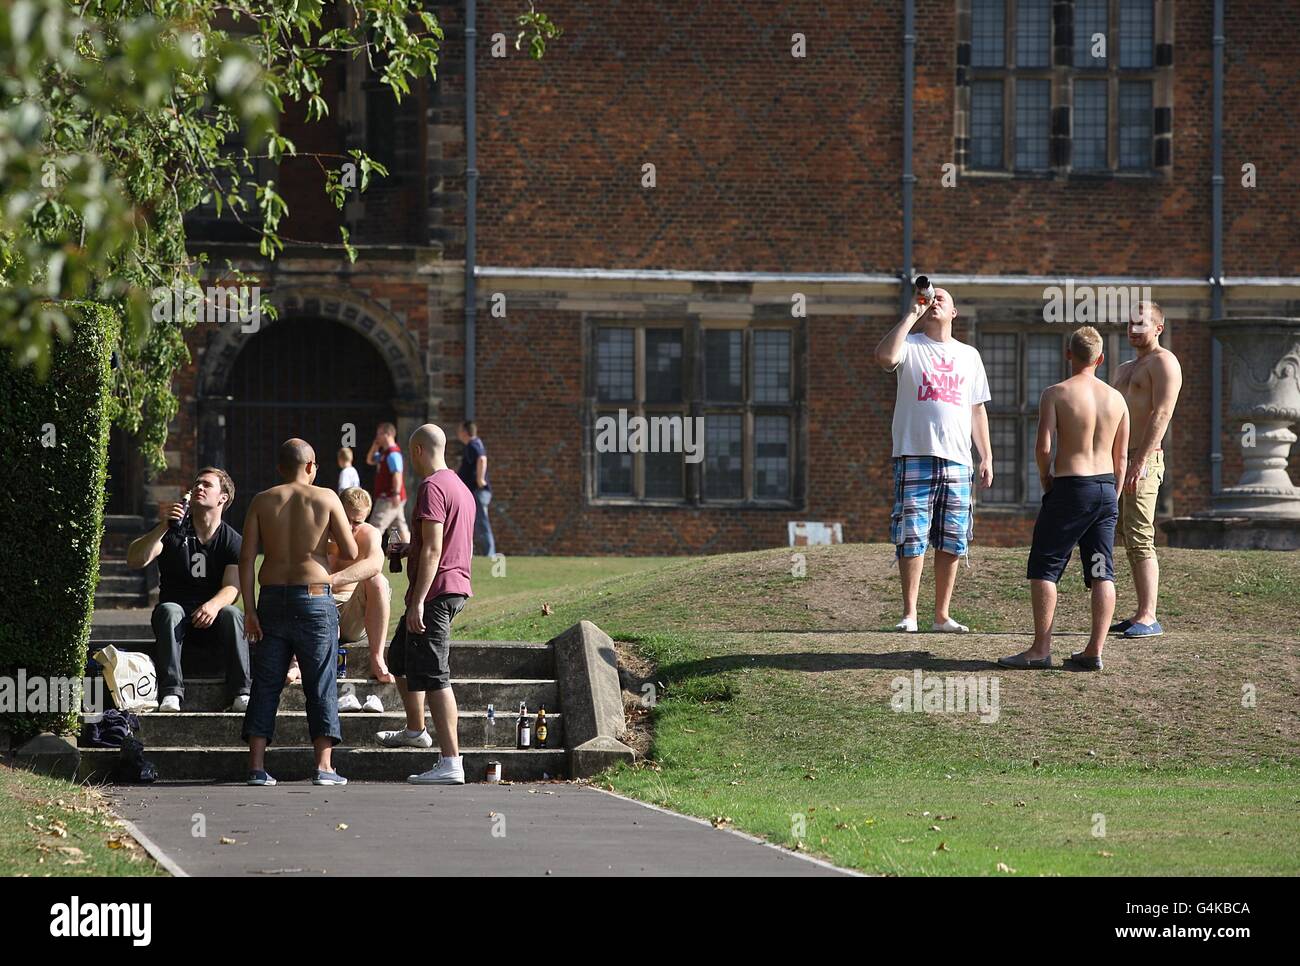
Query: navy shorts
x=1077 y=511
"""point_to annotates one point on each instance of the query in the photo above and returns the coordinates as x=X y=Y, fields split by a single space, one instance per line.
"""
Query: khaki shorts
x=352 y=613
x=1137 y=511
x=388 y=511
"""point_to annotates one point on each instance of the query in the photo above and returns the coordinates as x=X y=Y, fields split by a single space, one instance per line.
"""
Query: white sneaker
x=170 y=703
x=240 y=704
x=349 y=702
x=450 y=771
x=373 y=704
x=404 y=739
x=950 y=626
x=907 y=625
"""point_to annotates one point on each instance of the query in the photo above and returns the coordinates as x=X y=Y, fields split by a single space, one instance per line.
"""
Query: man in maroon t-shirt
x=441 y=548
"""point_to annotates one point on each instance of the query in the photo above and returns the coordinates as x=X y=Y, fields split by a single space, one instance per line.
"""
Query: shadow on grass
x=890 y=661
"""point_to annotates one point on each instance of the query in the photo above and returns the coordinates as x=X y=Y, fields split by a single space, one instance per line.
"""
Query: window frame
x=695 y=402
x=1024 y=410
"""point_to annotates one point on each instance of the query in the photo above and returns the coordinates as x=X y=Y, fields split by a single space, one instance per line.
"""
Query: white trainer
x=404 y=739
x=449 y=771
x=240 y=704
x=349 y=702
x=373 y=704
x=949 y=626
x=170 y=703
x=907 y=625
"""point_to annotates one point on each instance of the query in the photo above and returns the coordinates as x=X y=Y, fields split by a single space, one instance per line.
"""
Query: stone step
x=222 y=728
x=473 y=694
x=107 y=599
x=116 y=567
x=230 y=764
x=125 y=583
x=470 y=659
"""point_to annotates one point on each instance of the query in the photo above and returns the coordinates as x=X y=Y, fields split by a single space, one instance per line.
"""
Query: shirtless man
x=1150 y=384
x=293 y=523
x=1090 y=423
x=360 y=588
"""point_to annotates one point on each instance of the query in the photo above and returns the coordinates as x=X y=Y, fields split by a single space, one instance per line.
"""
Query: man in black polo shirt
x=473 y=473
x=198 y=584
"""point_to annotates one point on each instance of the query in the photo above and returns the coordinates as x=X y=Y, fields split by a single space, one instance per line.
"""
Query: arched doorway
x=305 y=377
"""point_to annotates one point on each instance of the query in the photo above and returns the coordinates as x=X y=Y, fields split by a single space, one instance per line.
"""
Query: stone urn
x=1263 y=357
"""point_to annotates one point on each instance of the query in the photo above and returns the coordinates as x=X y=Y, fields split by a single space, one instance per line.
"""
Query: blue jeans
x=482 y=526
x=295 y=623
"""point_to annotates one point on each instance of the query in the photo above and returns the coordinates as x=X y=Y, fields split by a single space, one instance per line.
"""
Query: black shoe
x=1084 y=661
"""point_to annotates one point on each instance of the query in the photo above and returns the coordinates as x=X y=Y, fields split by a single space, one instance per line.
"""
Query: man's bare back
x=294 y=523
x=1090 y=420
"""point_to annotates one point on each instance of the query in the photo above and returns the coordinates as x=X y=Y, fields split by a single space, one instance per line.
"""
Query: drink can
x=493 y=772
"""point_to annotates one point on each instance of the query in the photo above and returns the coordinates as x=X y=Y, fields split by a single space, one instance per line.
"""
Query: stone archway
x=381 y=330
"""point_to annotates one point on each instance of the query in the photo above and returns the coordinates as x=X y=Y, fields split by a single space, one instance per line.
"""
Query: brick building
x=774 y=140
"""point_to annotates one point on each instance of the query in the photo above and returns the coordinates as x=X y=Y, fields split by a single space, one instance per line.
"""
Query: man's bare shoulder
x=1165 y=360
x=365 y=534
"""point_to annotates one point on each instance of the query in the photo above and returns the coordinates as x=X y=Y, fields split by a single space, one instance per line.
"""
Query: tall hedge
x=52 y=514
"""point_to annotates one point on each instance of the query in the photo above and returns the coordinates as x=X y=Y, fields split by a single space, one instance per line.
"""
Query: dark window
x=1136 y=33
x=739 y=383
x=986 y=124
x=1034 y=33
x=615 y=365
x=1090 y=127
x=724 y=457
x=1090 y=18
x=1020 y=363
x=1135 y=123
x=988 y=33
x=722 y=365
x=1033 y=123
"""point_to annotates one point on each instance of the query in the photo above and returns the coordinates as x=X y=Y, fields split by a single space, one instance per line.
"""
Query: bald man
x=295 y=615
x=441 y=548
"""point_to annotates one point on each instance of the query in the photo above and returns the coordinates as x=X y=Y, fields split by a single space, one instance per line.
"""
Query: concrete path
x=403 y=830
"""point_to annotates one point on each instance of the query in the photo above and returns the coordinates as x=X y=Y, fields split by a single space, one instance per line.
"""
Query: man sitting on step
x=360 y=588
x=198 y=584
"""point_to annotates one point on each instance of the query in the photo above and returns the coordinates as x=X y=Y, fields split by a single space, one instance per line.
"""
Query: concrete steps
x=230 y=764
x=215 y=729
x=119 y=586
x=202 y=741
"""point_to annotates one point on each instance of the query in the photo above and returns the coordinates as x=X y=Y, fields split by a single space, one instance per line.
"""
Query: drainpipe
x=909 y=76
x=471 y=204
x=1216 y=271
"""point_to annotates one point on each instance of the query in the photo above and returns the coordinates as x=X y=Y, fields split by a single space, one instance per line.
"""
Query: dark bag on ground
x=132 y=766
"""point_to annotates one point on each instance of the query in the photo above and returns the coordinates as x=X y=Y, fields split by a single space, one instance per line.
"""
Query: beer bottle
x=523 y=729
x=394 y=562
x=179 y=525
x=490 y=731
x=540 y=729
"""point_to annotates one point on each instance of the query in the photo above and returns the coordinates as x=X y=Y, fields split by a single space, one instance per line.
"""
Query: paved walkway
x=525 y=829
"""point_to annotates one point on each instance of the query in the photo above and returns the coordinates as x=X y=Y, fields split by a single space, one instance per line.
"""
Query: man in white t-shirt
x=942 y=390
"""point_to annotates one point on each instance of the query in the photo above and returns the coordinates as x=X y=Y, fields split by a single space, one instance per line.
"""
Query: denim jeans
x=172 y=629
x=483 y=526
x=295 y=623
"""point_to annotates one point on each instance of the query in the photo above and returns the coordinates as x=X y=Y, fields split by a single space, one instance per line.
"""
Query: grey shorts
x=424 y=659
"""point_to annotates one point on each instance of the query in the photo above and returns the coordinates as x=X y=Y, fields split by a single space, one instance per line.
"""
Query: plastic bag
x=131 y=679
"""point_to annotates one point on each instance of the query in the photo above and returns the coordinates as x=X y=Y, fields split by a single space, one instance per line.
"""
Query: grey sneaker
x=328 y=778
x=260 y=778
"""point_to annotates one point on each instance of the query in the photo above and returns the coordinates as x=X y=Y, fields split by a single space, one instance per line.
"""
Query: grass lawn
x=52 y=827
x=775 y=716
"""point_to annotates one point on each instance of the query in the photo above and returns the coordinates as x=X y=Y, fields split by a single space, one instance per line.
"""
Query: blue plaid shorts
x=932 y=505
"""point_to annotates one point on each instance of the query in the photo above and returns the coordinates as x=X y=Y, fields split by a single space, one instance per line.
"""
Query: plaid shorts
x=932 y=504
